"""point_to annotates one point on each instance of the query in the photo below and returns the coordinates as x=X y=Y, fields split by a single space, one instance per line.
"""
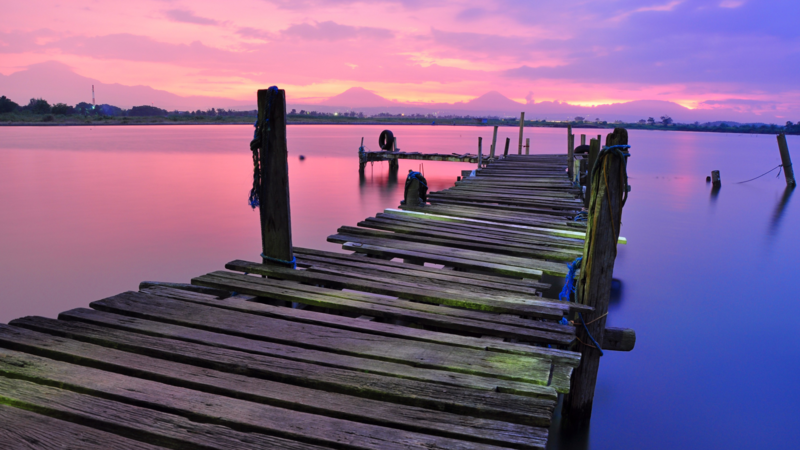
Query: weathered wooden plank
x=68 y=416
x=349 y=302
x=521 y=198
x=200 y=406
x=461 y=263
x=476 y=187
x=403 y=351
x=25 y=430
x=167 y=330
x=552 y=218
x=479 y=230
x=429 y=271
x=343 y=321
x=532 y=306
x=184 y=286
x=449 y=277
x=443 y=251
x=442 y=238
x=493 y=206
x=239 y=386
x=375 y=309
x=449 y=218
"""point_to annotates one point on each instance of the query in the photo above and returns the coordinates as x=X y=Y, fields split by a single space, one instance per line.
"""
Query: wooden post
x=521 y=125
x=786 y=160
x=276 y=223
x=570 y=151
x=594 y=150
x=494 y=143
x=412 y=194
x=583 y=139
x=508 y=142
x=480 y=151
x=594 y=282
x=527 y=146
x=715 y=179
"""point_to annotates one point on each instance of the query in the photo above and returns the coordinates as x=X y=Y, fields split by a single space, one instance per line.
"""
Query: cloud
x=186 y=16
x=332 y=31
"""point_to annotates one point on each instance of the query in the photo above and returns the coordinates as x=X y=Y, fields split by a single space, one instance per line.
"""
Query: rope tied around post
x=292 y=263
x=566 y=295
x=255 y=192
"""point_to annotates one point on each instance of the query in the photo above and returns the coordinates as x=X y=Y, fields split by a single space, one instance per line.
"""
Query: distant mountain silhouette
x=491 y=101
x=58 y=83
x=358 y=97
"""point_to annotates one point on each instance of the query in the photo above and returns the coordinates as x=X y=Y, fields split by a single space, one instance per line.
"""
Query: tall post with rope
x=609 y=190
x=271 y=178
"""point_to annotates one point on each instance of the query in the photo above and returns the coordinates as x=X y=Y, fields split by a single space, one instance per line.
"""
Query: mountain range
x=57 y=82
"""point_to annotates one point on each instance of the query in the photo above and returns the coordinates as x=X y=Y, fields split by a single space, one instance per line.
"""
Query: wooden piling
x=276 y=224
x=583 y=139
x=527 y=146
x=570 y=150
x=715 y=178
x=594 y=282
x=508 y=142
x=786 y=160
x=480 y=151
x=594 y=150
x=494 y=143
x=521 y=126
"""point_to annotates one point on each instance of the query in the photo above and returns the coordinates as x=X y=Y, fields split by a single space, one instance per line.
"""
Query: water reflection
x=780 y=208
x=384 y=180
x=715 y=193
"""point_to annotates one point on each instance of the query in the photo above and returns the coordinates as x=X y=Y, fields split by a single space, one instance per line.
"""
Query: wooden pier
x=430 y=331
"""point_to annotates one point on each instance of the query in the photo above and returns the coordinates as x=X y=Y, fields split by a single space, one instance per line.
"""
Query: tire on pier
x=386 y=140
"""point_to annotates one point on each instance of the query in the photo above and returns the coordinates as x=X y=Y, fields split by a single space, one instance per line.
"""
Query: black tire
x=581 y=149
x=386 y=140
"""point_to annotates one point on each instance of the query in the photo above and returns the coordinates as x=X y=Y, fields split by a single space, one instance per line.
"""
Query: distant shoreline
x=629 y=126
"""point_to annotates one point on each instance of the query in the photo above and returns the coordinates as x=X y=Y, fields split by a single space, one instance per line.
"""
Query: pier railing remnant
x=608 y=193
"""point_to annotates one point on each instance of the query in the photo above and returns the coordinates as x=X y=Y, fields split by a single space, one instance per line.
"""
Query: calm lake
x=707 y=280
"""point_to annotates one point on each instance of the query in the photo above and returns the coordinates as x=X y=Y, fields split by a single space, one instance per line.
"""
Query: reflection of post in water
x=780 y=208
x=391 y=181
x=714 y=193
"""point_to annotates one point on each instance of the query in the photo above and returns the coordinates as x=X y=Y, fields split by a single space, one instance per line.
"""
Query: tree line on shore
x=40 y=106
x=47 y=113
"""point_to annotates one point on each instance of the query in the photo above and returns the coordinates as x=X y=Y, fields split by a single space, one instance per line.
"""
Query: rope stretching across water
x=779 y=167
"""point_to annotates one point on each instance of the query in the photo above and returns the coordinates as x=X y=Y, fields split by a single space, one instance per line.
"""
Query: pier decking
x=453 y=348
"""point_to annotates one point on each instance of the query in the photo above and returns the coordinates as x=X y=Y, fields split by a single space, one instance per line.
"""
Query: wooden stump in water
x=715 y=179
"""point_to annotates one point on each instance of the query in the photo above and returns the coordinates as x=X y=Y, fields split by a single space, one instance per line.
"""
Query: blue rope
x=413 y=174
x=255 y=192
x=566 y=295
x=569 y=285
x=582 y=216
x=597 y=346
x=292 y=263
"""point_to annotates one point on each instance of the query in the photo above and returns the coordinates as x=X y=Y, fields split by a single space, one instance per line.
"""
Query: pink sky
x=732 y=55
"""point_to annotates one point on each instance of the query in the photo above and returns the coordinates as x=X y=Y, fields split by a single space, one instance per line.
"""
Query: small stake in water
x=715 y=179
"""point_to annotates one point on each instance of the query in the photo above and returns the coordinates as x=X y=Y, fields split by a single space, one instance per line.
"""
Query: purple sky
x=736 y=57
